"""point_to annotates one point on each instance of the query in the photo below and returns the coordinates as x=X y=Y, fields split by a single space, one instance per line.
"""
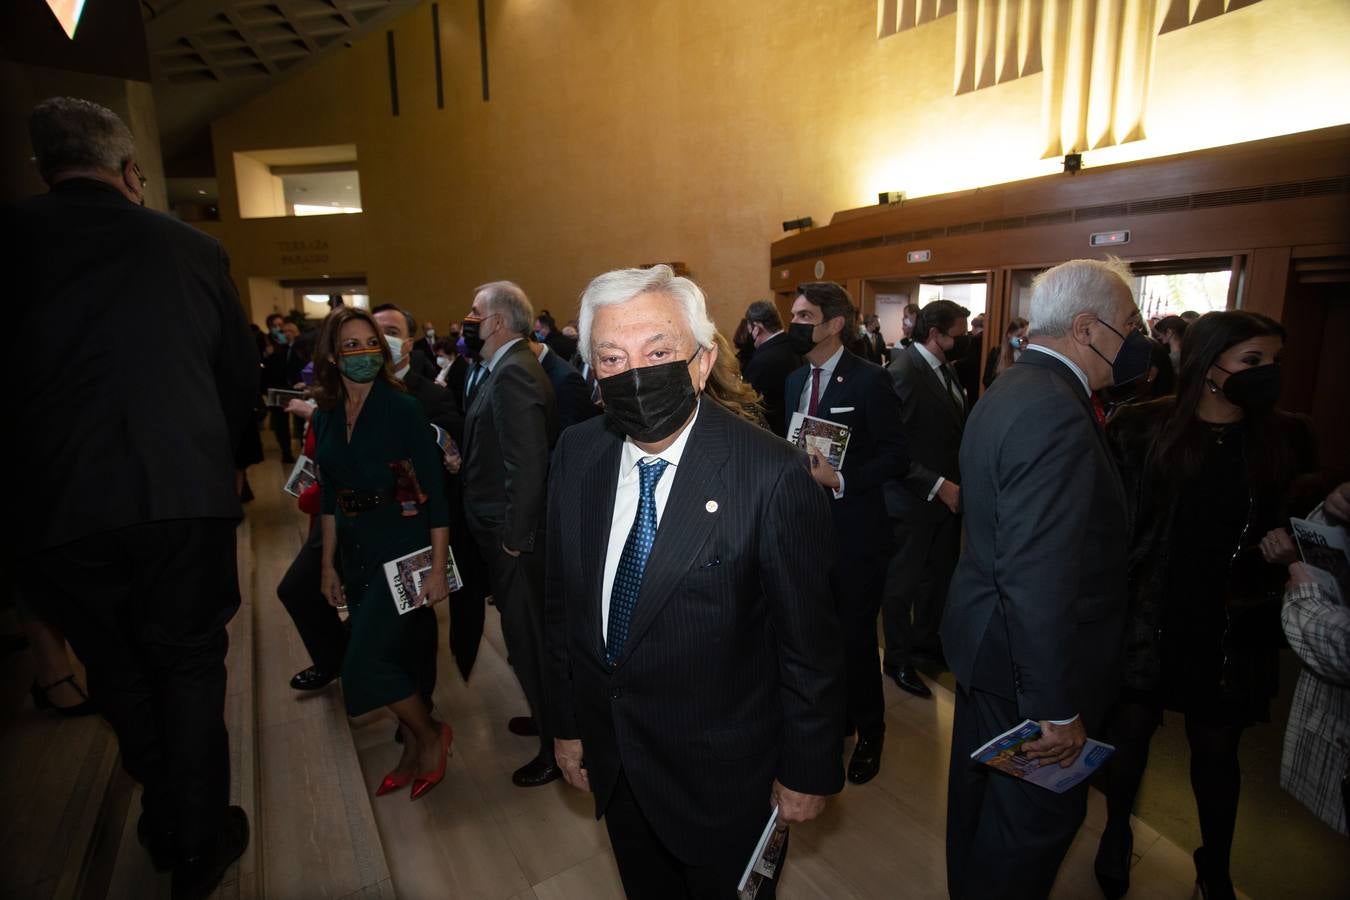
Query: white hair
x=508 y=299
x=622 y=285
x=1075 y=287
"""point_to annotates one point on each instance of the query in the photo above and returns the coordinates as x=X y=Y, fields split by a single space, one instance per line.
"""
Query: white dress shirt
x=804 y=402
x=937 y=365
x=626 y=498
x=1073 y=366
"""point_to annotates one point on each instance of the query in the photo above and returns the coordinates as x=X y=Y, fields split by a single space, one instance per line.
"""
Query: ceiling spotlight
x=200 y=191
x=794 y=224
x=1073 y=162
x=886 y=198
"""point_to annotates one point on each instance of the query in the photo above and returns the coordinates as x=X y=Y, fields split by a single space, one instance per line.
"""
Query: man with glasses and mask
x=1036 y=610
x=925 y=505
x=125 y=470
x=841 y=387
x=509 y=426
x=696 y=661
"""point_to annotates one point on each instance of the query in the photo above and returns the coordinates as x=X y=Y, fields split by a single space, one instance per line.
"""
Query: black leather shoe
x=1112 y=866
x=159 y=844
x=536 y=772
x=908 y=680
x=1211 y=884
x=196 y=877
x=525 y=726
x=866 y=760
x=312 y=679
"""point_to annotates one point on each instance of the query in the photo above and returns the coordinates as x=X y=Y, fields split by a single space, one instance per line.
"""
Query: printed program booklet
x=1324 y=548
x=303 y=474
x=280 y=396
x=830 y=438
x=764 y=862
x=407 y=573
x=1005 y=754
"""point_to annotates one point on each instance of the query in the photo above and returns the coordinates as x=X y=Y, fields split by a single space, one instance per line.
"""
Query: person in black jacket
x=774 y=360
x=695 y=657
x=1212 y=476
x=840 y=387
x=570 y=390
x=125 y=470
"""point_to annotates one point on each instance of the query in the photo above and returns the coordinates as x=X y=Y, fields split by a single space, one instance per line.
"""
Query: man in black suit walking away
x=125 y=478
x=510 y=425
x=773 y=362
x=696 y=658
x=1034 y=619
x=925 y=504
x=840 y=387
x=570 y=390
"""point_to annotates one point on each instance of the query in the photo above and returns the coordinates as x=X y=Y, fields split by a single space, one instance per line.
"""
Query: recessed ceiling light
x=203 y=193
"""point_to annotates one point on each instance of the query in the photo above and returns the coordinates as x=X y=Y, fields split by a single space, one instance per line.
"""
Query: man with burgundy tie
x=841 y=387
x=695 y=655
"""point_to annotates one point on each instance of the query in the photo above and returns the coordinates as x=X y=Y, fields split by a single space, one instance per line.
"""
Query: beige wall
x=259 y=191
x=622 y=133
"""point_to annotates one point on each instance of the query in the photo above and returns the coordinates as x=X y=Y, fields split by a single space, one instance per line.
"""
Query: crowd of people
x=689 y=541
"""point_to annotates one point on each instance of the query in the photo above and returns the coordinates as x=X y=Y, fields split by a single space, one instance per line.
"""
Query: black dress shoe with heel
x=907 y=679
x=1211 y=885
x=536 y=772
x=1112 y=866
x=865 y=763
x=312 y=679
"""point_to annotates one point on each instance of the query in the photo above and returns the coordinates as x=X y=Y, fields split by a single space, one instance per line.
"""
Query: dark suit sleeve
x=236 y=363
x=919 y=479
x=574 y=401
x=1042 y=513
x=520 y=416
x=557 y=662
x=440 y=408
x=796 y=552
x=881 y=407
x=428 y=463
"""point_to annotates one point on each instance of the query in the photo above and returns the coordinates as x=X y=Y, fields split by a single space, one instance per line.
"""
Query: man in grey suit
x=1035 y=616
x=508 y=430
x=924 y=506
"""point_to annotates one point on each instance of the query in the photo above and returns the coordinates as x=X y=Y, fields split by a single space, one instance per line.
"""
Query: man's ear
x=1081 y=330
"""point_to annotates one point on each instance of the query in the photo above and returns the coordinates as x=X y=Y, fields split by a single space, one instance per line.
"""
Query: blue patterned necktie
x=623 y=595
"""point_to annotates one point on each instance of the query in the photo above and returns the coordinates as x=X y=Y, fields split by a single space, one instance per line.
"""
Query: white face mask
x=443 y=362
x=395 y=348
x=909 y=323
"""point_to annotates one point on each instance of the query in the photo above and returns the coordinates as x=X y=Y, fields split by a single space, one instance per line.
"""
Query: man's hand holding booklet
x=1007 y=753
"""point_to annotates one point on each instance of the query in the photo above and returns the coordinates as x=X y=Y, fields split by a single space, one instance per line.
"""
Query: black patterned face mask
x=649 y=404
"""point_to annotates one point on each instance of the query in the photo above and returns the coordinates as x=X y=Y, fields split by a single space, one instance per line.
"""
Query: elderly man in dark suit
x=840 y=387
x=696 y=657
x=1034 y=619
x=925 y=505
x=124 y=473
x=774 y=360
x=510 y=425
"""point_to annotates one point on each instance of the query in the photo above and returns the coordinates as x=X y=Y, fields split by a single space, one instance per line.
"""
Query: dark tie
x=952 y=390
x=815 y=392
x=623 y=595
x=471 y=387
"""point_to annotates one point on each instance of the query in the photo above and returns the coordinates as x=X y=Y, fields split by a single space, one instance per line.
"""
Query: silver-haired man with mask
x=696 y=661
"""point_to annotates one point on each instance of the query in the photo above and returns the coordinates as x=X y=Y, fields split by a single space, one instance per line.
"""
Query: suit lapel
x=685 y=522
x=601 y=480
x=934 y=381
x=839 y=382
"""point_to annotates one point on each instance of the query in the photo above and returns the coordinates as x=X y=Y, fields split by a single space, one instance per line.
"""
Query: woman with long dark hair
x=1209 y=475
x=383 y=498
x=1014 y=342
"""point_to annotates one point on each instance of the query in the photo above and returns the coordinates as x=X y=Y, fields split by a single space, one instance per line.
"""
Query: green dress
x=383 y=662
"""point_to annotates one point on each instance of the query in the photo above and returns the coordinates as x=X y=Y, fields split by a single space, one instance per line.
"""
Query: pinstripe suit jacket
x=732 y=672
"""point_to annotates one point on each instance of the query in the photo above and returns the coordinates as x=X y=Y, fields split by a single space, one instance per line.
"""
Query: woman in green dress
x=383 y=498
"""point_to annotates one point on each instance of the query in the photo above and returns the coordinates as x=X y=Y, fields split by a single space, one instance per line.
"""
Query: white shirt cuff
x=1062 y=721
x=937 y=484
x=839 y=491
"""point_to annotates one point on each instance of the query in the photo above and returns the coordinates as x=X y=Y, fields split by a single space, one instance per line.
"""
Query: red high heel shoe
x=392 y=782
x=424 y=783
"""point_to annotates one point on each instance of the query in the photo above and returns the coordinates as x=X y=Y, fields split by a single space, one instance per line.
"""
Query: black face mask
x=1132 y=359
x=962 y=346
x=651 y=403
x=801 y=337
x=473 y=343
x=1255 y=390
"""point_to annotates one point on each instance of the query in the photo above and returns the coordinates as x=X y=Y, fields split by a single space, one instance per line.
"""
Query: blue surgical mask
x=279 y=336
x=1017 y=343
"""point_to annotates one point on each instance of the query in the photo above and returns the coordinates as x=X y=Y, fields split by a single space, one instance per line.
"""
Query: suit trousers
x=145 y=608
x=320 y=627
x=917 y=580
x=281 y=428
x=1005 y=838
x=518 y=590
x=650 y=872
x=857 y=580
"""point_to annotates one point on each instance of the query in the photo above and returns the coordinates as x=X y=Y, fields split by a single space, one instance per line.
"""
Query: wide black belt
x=356 y=502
